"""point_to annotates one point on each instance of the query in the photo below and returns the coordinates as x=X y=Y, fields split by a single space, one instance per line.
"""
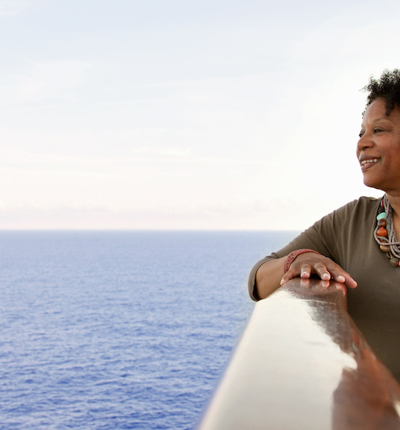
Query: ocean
x=120 y=330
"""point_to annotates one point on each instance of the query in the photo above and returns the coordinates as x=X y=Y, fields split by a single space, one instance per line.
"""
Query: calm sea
x=120 y=330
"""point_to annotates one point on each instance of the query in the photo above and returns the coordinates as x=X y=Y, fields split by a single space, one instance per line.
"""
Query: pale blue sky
x=185 y=115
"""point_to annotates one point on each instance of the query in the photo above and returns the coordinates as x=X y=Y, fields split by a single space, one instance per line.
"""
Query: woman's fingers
x=322 y=271
x=349 y=281
x=305 y=271
x=309 y=263
x=292 y=274
x=339 y=275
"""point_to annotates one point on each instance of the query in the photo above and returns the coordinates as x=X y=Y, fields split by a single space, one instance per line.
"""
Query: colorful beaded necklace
x=385 y=235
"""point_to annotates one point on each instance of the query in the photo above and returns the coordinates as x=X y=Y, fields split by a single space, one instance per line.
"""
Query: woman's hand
x=309 y=263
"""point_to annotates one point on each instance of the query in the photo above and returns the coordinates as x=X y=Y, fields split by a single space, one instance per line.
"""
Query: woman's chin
x=371 y=184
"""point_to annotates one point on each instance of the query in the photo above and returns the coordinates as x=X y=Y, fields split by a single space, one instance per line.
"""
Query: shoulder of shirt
x=360 y=205
x=362 y=202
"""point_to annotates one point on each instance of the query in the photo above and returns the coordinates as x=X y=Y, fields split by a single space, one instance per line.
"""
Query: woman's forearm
x=268 y=277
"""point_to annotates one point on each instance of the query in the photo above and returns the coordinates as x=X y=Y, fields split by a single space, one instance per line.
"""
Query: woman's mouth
x=367 y=163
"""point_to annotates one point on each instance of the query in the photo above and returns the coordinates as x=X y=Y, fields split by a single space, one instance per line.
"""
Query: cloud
x=13 y=7
x=45 y=81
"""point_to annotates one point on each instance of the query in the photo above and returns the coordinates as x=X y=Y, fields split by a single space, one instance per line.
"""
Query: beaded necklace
x=384 y=233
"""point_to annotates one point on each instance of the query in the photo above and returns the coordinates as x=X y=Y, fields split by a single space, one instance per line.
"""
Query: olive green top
x=346 y=237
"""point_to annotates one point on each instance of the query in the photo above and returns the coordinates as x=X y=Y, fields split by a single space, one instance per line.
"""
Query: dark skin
x=378 y=151
x=270 y=275
x=380 y=140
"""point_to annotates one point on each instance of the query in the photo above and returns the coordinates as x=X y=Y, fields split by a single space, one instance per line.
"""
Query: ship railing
x=302 y=363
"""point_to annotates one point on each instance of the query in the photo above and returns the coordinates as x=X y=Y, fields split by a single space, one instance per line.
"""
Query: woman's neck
x=395 y=204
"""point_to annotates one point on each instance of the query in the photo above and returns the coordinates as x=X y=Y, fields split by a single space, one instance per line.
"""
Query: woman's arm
x=330 y=236
x=270 y=275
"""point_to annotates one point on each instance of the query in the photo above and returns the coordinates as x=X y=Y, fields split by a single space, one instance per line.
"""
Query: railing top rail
x=301 y=363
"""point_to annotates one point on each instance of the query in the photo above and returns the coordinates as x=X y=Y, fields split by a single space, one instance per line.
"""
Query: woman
x=356 y=244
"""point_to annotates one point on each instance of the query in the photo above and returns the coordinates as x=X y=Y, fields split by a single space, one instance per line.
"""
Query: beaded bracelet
x=293 y=255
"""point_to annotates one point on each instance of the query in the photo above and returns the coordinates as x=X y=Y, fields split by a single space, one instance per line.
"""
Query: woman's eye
x=361 y=134
x=377 y=130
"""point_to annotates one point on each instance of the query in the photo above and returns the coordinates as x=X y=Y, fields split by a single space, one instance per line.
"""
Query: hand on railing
x=310 y=263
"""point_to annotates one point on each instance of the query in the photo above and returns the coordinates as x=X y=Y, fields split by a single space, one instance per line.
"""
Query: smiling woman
x=378 y=149
x=357 y=244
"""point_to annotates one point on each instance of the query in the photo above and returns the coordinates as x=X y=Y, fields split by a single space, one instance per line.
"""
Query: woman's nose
x=364 y=142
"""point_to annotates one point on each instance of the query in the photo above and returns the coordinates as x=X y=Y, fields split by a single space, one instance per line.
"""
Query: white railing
x=301 y=363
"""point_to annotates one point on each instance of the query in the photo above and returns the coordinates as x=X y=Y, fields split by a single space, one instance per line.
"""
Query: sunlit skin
x=379 y=148
x=378 y=151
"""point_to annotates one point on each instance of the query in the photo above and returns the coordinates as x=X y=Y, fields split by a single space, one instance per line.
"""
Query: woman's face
x=378 y=149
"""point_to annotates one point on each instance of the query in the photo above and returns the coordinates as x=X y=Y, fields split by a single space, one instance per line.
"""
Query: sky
x=193 y=115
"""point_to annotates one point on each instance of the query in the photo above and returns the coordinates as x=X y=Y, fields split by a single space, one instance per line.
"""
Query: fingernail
x=340 y=279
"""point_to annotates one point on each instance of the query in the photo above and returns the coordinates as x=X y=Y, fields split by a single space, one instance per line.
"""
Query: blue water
x=119 y=330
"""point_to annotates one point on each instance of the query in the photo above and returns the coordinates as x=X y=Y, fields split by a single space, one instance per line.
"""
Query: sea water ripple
x=119 y=330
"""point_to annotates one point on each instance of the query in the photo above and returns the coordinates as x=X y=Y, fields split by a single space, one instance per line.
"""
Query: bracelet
x=293 y=255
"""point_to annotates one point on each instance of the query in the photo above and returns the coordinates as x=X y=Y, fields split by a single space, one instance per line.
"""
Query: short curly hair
x=387 y=87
